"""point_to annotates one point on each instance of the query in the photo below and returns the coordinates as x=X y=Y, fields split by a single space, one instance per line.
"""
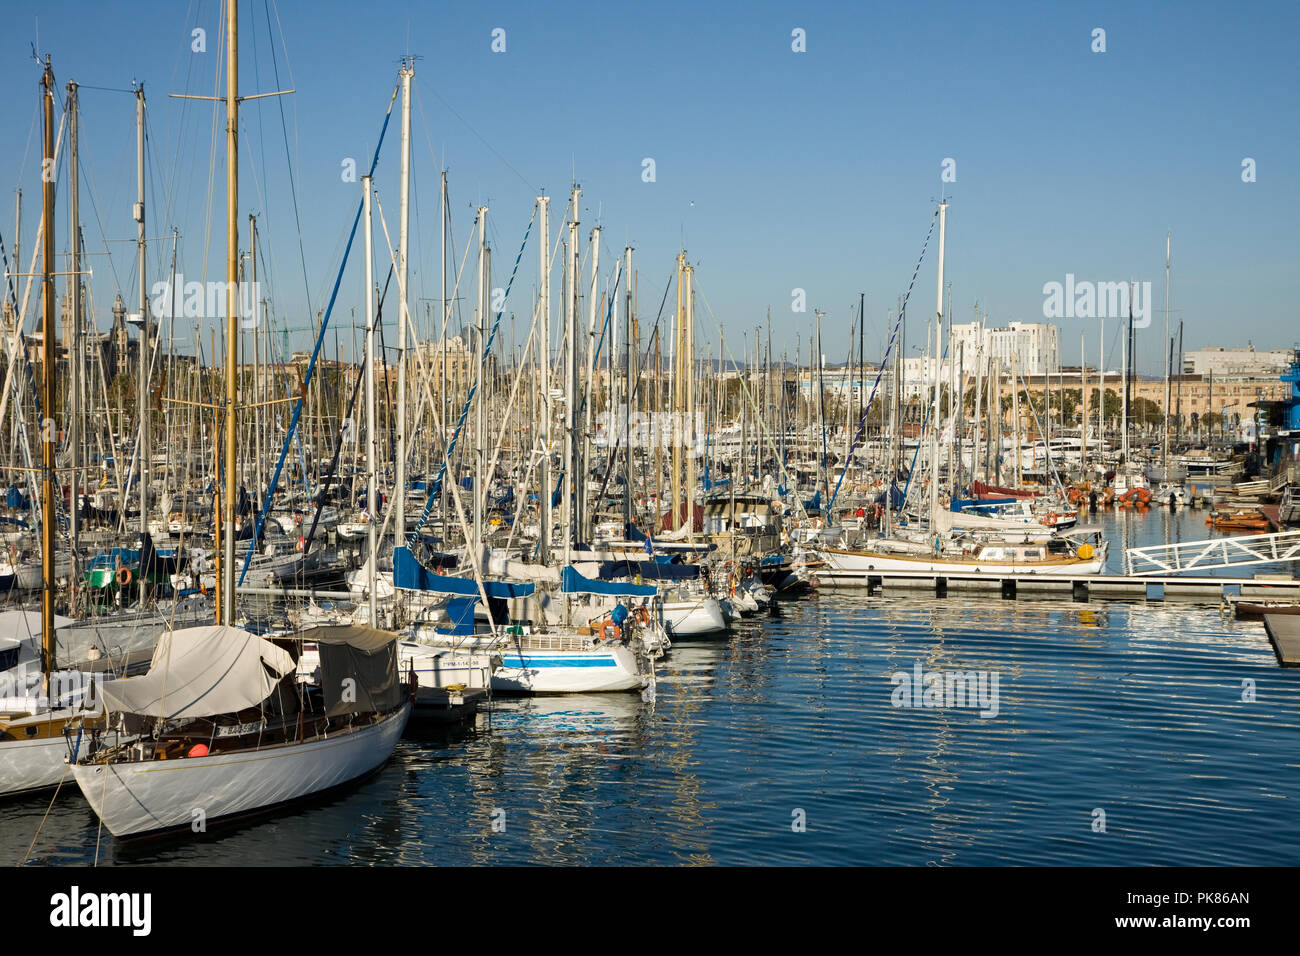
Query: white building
x=1235 y=362
x=1035 y=347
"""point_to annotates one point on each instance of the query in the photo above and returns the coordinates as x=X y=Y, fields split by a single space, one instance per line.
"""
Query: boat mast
x=544 y=368
x=372 y=446
x=226 y=577
x=407 y=73
x=479 y=440
x=938 y=376
x=49 y=428
x=1168 y=357
x=141 y=401
x=628 y=386
x=571 y=373
x=1127 y=356
x=678 y=399
x=74 y=364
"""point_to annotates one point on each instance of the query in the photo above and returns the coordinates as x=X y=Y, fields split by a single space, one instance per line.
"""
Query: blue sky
x=776 y=170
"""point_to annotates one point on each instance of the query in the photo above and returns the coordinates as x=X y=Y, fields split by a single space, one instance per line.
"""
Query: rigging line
x=212 y=151
x=189 y=66
x=288 y=67
x=22 y=166
x=436 y=489
x=884 y=363
x=288 y=160
x=482 y=139
x=746 y=392
x=636 y=386
x=320 y=338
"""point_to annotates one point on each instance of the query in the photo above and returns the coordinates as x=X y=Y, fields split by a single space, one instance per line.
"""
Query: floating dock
x=1082 y=587
x=1284 y=634
x=447 y=705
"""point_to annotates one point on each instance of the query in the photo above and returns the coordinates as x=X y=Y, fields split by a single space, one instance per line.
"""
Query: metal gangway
x=1214 y=553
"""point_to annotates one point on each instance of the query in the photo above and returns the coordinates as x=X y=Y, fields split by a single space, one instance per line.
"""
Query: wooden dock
x=1284 y=633
x=446 y=705
x=1083 y=587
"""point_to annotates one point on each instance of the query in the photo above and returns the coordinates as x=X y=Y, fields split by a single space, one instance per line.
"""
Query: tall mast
x=49 y=427
x=627 y=371
x=1101 y=392
x=1128 y=357
x=481 y=310
x=544 y=370
x=372 y=446
x=442 y=243
x=74 y=364
x=570 y=371
x=938 y=374
x=1083 y=394
x=407 y=72
x=142 y=390
x=678 y=350
x=226 y=578
x=688 y=410
x=594 y=299
x=1169 y=344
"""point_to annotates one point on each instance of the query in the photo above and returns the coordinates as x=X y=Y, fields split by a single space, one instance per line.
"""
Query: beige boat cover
x=202 y=672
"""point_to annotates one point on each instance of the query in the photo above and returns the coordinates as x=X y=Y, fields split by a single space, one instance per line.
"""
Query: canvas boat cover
x=202 y=672
x=575 y=583
x=358 y=669
x=651 y=570
x=410 y=575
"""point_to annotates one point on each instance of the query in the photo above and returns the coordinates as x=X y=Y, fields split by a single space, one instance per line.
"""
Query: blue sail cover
x=410 y=575
x=980 y=504
x=654 y=570
x=571 y=582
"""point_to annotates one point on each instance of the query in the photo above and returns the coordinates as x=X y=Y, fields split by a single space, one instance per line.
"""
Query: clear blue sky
x=815 y=170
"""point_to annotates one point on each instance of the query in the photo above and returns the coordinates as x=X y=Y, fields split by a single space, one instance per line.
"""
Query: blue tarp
x=571 y=582
x=16 y=499
x=895 y=496
x=410 y=575
x=649 y=569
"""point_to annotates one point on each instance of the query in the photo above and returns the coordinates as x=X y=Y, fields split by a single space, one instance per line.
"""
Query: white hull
x=552 y=668
x=875 y=561
x=694 y=618
x=136 y=798
x=567 y=672
x=29 y=765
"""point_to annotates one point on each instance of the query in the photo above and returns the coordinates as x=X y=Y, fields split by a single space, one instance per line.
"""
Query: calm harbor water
x=1132 y=709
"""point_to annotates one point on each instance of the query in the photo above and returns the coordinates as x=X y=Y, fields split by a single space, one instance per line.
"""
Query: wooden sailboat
x=219 y=727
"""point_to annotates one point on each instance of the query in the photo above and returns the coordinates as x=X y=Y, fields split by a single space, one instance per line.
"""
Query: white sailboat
x=219 y=727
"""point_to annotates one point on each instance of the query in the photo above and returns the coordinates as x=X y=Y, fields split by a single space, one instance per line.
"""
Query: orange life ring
x=123 y=576
x=818 y=524
x=641 y=615
x=1051 y=517
x=301 y=543
x=605 y=626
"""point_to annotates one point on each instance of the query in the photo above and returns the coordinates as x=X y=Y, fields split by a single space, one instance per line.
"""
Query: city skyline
x=792 y=149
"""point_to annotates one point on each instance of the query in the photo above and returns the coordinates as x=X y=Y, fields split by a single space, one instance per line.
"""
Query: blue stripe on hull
x=549 y=662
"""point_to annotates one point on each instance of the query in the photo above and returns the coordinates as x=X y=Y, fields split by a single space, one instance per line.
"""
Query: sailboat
x=34 y=725
x=219 y=727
